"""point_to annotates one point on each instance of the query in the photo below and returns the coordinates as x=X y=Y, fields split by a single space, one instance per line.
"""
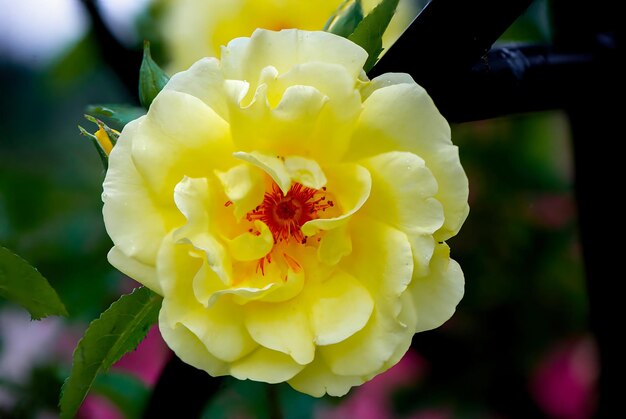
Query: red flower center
x=285 y=214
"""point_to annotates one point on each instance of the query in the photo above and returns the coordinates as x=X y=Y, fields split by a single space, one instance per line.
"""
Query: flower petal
x=203 y=80
x=422 y=246
x=317 y=380
x=146 y=274
x=244 y=58
x=402 y=193
x=267 y=366
x=381 y=260
x=271 y=165
x=180 y=136
x=351 y=185
x=244 y=186
x=437 y=294
x=403 y=117
x=340 y=307
x=283 y=327
x=250 y=246
x=220 y=326
x=305 y=171
x=131 y=217
x=189 y=348
x=369 y=349
x=335 y=244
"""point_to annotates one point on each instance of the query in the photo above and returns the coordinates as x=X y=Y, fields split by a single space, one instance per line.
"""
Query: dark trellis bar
x=123 y=61
x=449 y=36
x=519 y=78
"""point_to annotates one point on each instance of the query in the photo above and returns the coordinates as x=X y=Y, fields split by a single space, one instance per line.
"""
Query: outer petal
x=203 y=80
x=180 y=136
x=317 y=380
x=146 y=274
x=402 y=193
x=437 y=294
x=131 y=217
x=267 y=366
x=188 y=347
x=402 y=117
x=370 y=349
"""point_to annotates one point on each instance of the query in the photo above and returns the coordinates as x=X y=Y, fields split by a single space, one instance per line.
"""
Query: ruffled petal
x=218 y=327
x=381 y=260
x=252 y=246
x=244 y=186
x=317 y=380
x=350 y=184
x=266 y=365
x=133 y=220
x=271 y=165
x=402 y=193
x=189 y=348
x=339 y=307
x=203 y=80
x=244 y=58
x=283 y=327
x=180 y=136
x=335 y=244
x=146 y=274
x=403 y=117
x=436 y=295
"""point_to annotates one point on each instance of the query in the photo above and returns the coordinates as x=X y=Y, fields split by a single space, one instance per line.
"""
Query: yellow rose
x=193 y=29
x=292 y=213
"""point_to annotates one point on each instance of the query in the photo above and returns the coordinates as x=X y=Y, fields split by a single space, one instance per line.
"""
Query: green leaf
x=118 y=330
x=346 y=18
x=126 y=391
x=23 y=284
x=152 y=78
x=369 y=33
x=116 y=115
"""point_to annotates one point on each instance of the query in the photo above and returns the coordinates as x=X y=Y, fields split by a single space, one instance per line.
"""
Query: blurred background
x=518 y=346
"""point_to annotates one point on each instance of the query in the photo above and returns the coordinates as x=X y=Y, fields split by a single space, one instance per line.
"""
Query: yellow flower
x=193 y=29
x=292 y=213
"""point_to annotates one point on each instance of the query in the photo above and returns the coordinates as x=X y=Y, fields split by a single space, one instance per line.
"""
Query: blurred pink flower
x=98 y=407
x=552 y=211
x=564 y=382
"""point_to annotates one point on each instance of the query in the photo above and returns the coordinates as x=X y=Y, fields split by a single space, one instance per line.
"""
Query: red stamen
x=285 y=214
